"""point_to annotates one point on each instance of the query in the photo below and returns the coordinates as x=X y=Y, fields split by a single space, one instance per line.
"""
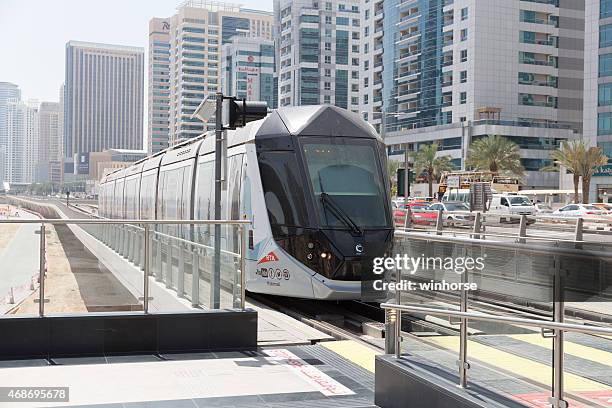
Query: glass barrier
x=101 y=265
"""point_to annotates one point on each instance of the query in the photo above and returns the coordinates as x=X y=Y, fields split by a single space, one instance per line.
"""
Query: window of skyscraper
x=605 y=35
x=605 y=8
x=604 y=123
x=605 y=65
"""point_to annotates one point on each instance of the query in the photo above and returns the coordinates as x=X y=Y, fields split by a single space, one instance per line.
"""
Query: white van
x=454 y=194
x=510 y=207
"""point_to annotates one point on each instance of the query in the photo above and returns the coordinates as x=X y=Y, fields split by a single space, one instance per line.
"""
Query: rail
x=393 y=321
x=133 y=239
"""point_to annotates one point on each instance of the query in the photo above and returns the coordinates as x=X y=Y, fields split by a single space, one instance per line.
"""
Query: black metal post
x=215 y=284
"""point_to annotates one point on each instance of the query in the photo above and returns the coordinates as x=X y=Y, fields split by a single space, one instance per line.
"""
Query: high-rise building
x=159 y=85
x=319 y=55
x=247 y=64
x=455 y=71
x=22 y=141
x=55 y=165
x=598 y=90
x=49 y=144
x=8 y=92
x=103 y=98
x=197 y=32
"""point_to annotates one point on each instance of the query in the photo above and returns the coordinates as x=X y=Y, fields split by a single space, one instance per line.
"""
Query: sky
x=33 y=35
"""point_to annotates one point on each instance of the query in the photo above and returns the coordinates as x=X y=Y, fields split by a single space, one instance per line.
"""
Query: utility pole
x=215 y=300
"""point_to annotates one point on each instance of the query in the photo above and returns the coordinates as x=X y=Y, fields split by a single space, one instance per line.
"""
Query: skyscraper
x=455 y=71
x=49 y=144
x=22 y=141
x=8 y=91
x=319 y=53
x=103 y=99
x=248 y=69
x=197 y=32
x=159 y=85
x=598 y=90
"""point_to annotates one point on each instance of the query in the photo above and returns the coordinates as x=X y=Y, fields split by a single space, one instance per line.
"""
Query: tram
x=313 y=180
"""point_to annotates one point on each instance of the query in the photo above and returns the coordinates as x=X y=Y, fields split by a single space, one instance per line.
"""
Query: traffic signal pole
x=215 y=283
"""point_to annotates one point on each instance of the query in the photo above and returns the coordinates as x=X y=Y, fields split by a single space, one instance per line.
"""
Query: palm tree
x=570 y=155
x=593 y=158
x=495 y=153
x=425 y=161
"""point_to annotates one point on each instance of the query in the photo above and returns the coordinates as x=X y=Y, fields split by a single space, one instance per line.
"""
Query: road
x=19 y=260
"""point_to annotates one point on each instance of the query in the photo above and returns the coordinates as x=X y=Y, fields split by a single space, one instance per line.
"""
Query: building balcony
x=407 y=95
x=408 y=39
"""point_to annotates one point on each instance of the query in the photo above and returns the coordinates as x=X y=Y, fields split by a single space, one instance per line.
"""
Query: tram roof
x=315 y=120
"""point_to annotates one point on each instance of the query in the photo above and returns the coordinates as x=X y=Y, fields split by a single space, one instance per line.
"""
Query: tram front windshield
x=346 y=179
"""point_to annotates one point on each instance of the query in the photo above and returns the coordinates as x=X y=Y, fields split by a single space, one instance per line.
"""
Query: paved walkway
x=19 y=262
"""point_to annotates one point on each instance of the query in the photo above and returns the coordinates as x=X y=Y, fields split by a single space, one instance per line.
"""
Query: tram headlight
x=323 y=255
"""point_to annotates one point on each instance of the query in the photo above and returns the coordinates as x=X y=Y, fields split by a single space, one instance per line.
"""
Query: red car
x=420 y=214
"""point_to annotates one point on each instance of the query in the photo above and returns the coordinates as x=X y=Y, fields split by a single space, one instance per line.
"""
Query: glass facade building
x=198 y=31
x=318 y=52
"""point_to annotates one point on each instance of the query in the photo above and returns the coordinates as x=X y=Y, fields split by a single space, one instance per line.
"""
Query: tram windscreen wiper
x=340 y=213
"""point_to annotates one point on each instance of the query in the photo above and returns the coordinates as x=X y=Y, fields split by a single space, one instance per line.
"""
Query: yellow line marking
x=353 y=351
x=519 y=366
x=578 y=350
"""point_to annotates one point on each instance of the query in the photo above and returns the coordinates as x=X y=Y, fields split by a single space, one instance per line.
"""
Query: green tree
x=426 y=162
x=495 y=153
x=569 y=155
x=592 y=158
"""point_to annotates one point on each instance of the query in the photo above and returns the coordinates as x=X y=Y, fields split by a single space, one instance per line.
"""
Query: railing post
x=244 y=229
x=169 y=264
x=557 y=400
x=147 y=251
x=158 y=261
x=477 y=225
x=195 y=278
x=522 y=233
x=578 y=233
x=439 y=223
x=180 y=281
x=41 y=276
x=463 y=336
x=408 y=217
x=390 y=332
x=398 y=333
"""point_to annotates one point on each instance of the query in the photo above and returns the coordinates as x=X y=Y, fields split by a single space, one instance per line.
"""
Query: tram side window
x=130 y=200
x=204 y=205
x=283 y=190
x=147 y=196
x=118 y=210
x=233 y=201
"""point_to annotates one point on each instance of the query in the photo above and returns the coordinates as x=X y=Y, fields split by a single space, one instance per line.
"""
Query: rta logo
x=359 y=248
x=165 y=25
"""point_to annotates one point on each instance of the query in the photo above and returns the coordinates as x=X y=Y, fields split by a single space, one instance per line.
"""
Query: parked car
x=419 y=214
x=511 y=207
x=542 y=208
x=606 y=207
x=454 y=213
x=578 y=210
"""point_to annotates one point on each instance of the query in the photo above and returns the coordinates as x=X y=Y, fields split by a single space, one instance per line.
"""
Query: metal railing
x=133 y=239
x=438 y=239
x=393 y=321
x=477 y=224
